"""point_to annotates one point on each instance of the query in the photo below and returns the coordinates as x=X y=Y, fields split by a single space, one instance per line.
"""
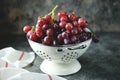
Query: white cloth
x=16 y=57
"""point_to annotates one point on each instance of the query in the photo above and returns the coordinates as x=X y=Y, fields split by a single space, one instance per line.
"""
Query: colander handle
x=80 y=47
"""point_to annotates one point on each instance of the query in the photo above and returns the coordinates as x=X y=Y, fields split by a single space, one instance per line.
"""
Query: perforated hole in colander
x=71 y=52
x=44 y=55
x=69 y=56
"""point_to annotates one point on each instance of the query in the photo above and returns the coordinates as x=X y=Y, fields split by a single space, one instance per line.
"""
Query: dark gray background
x=102 y=15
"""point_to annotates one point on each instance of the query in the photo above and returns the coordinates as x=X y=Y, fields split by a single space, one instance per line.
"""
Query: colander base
x=51 y=67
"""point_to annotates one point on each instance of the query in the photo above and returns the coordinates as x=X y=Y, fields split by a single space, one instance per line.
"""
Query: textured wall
x=102 y=15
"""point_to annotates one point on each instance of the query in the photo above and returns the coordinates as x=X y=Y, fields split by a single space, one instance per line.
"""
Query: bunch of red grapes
x=66 y=29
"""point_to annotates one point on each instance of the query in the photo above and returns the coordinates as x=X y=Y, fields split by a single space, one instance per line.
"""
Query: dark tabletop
x=100 y=62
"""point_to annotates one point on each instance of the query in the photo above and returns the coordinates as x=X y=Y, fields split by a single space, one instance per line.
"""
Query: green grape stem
x=33 y=28
x=53 y=12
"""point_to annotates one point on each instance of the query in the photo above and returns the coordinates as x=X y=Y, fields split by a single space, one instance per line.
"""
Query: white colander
x=60 y=60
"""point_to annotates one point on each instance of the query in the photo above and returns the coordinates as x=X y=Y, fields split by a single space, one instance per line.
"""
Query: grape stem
x=53 y=12
x=33 y=28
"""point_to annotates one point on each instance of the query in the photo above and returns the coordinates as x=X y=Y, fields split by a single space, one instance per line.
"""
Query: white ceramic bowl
x=60 y=60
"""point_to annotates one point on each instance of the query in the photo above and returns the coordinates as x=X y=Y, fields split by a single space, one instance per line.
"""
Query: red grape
x=71 y=16
x=47 y=40
x=68 y=26
x=55 y=26
x=74 y=31
x=73 y=38
x=41 y=22
x=37 y=25
x=45 y=27
x=84 y=38
x=48 y=18
x=62 y=24
x=65 y=35
x=68 y=31
x=61 y=14
x=49 y=32
x=31 y=35
x=82 y=22
x=64 y=18
x=27 y=28
x=29 y=32
x=39 y=32
x=75 y=23
x=59 y=37
x=80 y=30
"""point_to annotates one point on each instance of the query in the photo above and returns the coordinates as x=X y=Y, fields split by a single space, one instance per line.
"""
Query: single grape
x=74 y=31
x=31 y=35
x=49 y=32
x=45 y=27
x=69 y=32
x=61 y=14
x=62 y=24
x=73 y=38
x=29 y=32
x=41 y=22
x=55 y=26
x=26 y=28
x=39 y=32
x=83 y=36
x=64 y=18
x=82 y=22
x=75 y=23
x=47 y=40
x=68 y=26
x=65 y=35
x=59 y=37
x=80 y=30
x=48 y=18
x=71 y=16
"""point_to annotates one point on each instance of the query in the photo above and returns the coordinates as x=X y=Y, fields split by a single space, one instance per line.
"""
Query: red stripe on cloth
x=21 y=56
x=50 y=77
x=6 y=64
